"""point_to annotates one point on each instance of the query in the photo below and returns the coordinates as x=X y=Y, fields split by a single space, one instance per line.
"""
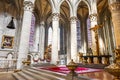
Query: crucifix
x=95 y=29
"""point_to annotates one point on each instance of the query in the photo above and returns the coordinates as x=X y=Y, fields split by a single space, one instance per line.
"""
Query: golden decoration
x=72 y=66
x=114 y=68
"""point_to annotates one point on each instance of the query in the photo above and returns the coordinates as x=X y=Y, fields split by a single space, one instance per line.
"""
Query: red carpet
x=63 y=69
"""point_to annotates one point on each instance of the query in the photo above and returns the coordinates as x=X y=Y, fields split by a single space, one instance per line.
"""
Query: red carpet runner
x=63 y=69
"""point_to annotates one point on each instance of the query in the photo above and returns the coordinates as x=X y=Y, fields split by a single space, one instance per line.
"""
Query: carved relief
x=73 y=19
x=93 y=17
x=55 y=16
x=28 y=5
x=115 y=7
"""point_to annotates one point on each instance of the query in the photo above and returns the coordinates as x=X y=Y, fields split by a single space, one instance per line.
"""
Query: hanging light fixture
x=11 y=24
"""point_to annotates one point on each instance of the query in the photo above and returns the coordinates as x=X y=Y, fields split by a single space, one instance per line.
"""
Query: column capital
x=115 y=7
x=42 y=23
x=73 y=19
x=28 y=6
x=55 y=16
x=93 y=17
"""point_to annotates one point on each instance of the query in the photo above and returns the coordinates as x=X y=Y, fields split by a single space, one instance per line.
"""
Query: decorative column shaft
x=1 y=27
x=73 y=38
x=42 y=39
x=37 y=36
x=115 y=10
x=25 y=33
x=93 y=19
x=68 y=37
x=55 y=25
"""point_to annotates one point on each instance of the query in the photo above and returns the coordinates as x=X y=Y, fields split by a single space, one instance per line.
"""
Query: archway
x=82 y=14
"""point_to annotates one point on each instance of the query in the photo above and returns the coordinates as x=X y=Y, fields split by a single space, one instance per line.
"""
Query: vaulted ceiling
x=43 y=8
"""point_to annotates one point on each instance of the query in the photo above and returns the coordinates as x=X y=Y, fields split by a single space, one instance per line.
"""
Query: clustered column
x=25 y=33
x=42 y=37
x=55 y=27
x=73 y=23
x=115 y=10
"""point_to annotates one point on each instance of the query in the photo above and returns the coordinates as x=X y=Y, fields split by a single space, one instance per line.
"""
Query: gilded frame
x=7 y=41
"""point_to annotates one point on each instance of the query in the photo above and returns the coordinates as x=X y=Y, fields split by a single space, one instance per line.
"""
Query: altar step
x=38 y=74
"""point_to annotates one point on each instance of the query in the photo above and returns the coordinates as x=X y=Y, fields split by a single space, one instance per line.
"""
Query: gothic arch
x=64 y=12
x=86 y=2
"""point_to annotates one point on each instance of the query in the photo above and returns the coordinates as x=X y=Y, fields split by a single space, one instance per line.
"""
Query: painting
x=7 y=41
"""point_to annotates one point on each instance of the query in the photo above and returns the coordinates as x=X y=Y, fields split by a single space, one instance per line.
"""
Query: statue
x=80 y=55
x=47 y=54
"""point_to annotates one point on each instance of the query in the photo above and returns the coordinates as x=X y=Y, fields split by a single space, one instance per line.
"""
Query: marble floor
x=6 y=76
x=102 y=75
x=94 y=75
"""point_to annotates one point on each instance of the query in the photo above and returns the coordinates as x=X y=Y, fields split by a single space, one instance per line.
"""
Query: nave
x=57 y=31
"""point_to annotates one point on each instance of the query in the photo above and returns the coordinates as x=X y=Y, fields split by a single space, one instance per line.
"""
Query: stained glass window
x=89 y=36
x=78 y=35
x=32 y=30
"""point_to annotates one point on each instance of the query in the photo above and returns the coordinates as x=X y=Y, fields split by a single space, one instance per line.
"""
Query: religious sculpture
x=47 y=54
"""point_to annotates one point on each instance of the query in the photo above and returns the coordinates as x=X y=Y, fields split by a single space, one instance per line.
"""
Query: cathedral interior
x=37 y=35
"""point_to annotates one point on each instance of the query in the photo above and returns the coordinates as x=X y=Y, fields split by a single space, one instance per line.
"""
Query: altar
x=102 y=59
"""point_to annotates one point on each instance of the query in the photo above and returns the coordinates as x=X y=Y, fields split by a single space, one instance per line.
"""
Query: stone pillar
x=42 y=39
x=115 y=10
x=58 y=38
x=37 y=36
x=25 y=33
x=68 y=42
x=93 y=19
x=1 y=28
x=67 y=39
x=55 y=26
x=73 y=23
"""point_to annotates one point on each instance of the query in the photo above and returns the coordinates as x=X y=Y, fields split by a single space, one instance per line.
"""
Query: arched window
x=78 y=35
x=50 y=36
x=89 y=33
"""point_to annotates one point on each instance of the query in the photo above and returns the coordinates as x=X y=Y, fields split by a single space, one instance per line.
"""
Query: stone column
x=115 y=10
x=55 y=26
x=25 y=33
x=67 y=39
x=73 y=23
x=1 y=29
x=42 y=39
x=93 y=19
x=37 y=36
x=58 y=38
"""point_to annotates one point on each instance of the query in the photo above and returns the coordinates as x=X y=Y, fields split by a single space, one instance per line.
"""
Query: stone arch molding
x=86 y=2
x=73 y=5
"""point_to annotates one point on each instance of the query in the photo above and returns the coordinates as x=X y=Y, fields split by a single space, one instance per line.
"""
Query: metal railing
x=7 y=65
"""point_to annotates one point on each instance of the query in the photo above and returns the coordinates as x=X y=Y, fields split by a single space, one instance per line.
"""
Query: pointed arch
x=86 y=2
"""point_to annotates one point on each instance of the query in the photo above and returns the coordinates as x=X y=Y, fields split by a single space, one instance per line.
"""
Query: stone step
x=41 y=74
x=36 y=76
x=27 y=77
x=48 y=74
x=17 y=76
